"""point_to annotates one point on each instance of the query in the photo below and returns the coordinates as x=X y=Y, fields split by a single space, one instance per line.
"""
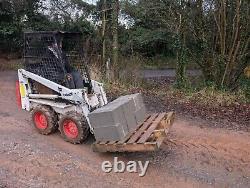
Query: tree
x=32 y=15
x=104 y=23
x=16 y=16
x=213 y=34
x=220 y=32
x=115 y=45
x=165 y=26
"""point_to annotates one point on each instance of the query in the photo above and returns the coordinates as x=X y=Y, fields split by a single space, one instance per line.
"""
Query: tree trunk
x=181 y=63
x=115 y=46
x=181 y=54
x=104 y=22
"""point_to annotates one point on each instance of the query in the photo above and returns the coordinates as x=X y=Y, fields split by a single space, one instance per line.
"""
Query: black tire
x=49 y=115
x=79 y=122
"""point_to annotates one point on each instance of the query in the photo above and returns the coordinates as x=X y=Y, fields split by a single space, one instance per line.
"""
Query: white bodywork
x=77 y=100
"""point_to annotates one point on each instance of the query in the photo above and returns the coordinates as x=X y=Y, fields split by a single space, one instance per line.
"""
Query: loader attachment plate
x=148 y=136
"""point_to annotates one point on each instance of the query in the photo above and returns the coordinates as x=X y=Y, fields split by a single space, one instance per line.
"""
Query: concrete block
x=140 y=115
x=110 y=133
x=128 y=110
x=111 y=121
x=109 y=115
x=128 y=107
x=115 y=120
x=137 y=98
x=140 y=109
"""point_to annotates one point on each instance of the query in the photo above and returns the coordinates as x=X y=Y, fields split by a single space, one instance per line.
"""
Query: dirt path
x=192 y=156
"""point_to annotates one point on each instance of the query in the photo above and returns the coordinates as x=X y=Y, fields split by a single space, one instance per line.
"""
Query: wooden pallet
x=148 y=136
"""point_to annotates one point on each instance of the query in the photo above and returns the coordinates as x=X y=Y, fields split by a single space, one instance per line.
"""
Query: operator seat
x=75 y=78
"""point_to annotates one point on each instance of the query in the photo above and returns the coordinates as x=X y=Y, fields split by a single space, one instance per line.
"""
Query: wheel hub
x=40 y=120
x=70 y=129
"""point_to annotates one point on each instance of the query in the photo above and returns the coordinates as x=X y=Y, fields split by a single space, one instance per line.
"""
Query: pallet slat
x=150 y=135
x=130 y=134
x=112 y=142
x=142 y=129
x=151 y=129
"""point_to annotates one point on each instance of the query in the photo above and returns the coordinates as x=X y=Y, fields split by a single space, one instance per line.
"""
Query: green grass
x=209 y=97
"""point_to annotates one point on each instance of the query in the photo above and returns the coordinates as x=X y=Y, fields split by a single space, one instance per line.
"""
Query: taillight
x=18 y=95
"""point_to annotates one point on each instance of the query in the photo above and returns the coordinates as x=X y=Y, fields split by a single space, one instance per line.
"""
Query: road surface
x=167 y=73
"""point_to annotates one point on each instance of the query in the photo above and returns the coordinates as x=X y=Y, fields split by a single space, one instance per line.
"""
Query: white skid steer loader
x=55 y=86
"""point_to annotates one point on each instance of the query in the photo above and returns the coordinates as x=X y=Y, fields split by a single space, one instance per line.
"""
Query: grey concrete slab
x=110 y=122
x=140 y=109
x=128 y=110
x=118 y=118
x=140 y=115
x=110 y=115
x=128 y=107
x=110 y=133
x=137 y=98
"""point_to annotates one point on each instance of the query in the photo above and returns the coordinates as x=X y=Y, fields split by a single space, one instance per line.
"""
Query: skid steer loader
x=55 y=86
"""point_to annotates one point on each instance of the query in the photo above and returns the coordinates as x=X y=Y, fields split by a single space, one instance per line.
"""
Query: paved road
x=167 y=73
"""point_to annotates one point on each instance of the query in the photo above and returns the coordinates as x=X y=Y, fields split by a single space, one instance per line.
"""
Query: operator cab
x=57 y=56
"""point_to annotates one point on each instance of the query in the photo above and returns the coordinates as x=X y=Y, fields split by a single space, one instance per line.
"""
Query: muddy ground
x=194 y=155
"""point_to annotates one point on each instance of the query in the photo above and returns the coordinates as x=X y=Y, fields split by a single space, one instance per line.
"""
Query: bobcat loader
x=55 y=86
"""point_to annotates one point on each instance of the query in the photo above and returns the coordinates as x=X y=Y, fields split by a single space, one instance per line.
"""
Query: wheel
x=74 y=128
x=44 y=119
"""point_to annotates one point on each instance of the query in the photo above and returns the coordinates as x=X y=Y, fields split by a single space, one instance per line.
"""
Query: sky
x=122 y=19
x=90 y=1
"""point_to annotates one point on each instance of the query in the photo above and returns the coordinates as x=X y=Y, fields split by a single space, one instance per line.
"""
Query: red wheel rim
x=40 y=120
x=70 y=129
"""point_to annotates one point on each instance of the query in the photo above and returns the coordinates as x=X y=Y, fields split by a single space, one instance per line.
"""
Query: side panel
x=24 y=91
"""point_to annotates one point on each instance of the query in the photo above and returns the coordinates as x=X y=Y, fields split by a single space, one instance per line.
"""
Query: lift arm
x=75 y=96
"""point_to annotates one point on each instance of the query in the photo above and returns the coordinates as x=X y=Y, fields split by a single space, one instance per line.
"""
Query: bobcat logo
x=67 y=94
